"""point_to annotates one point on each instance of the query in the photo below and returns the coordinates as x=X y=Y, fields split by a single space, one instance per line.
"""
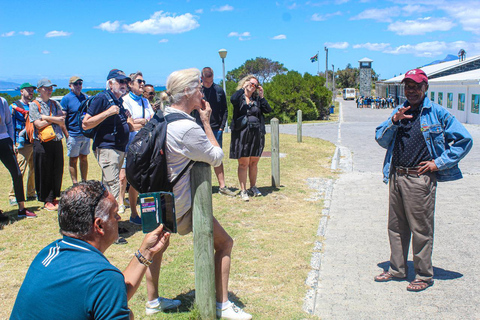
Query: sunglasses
x=151 y=93
x=140 y=81
x=254 y=85
x=78 y=83
x=122 y=81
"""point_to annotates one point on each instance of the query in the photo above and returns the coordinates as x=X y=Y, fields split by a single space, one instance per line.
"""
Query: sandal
x=419 y=285
x=386 y=276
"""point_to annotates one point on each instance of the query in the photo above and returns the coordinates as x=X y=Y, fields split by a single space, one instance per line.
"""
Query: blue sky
x=58 y=39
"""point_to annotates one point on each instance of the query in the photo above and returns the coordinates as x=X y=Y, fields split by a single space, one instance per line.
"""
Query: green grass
x=273 y=236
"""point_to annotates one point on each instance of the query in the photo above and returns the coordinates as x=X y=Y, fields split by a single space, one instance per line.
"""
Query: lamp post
x=223 y=54
x=326 y=67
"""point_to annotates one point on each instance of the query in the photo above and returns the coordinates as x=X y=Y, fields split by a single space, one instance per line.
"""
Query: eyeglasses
x=97 y=200
x=140 y=81
x=78 y=83
x=151 y=93
x=200 y=88
x=122 y=81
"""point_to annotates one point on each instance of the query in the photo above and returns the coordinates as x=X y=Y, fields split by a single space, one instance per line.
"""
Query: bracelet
x=142 y=259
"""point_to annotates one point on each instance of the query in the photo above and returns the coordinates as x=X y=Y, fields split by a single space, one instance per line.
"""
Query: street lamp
x=223 y=54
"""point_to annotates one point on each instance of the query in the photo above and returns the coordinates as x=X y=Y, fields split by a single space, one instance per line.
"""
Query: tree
x=262 y=68
x=348 y=77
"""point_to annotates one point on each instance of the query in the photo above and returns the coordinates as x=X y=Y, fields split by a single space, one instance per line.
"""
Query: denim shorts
x=219 y=136
x=79 y=145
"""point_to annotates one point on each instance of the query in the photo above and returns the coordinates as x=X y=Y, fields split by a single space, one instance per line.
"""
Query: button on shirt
x=410 y=147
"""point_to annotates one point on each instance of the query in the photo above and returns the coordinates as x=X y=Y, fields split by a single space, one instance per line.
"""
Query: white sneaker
x=163 y=304
x=121 y=209
x=233 y=312
x=244 y=195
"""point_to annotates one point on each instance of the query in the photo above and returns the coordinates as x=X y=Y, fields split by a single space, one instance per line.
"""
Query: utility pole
x=326 y=67
x=333 y=82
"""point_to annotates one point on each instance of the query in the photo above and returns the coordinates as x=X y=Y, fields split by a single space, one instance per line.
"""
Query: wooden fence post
x=274 y=128
x=201 y=184
x=299 y=126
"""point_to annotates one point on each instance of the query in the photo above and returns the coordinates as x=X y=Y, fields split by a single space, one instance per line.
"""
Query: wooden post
x=274 y=128
x=299 y=126
x=201 y=184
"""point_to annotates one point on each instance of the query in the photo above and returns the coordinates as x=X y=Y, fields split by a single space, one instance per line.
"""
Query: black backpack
x=146 y=168
x=82 y=111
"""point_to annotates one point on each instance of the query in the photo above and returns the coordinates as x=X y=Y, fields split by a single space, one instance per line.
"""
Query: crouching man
x=71 y=278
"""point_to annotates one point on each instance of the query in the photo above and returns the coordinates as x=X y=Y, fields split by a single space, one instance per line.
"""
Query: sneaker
x=136 y=221
x=121 y=240
x=13 y=202
x=227 y=192
x=233 y=312
x=254 y=192
x=25 y=213
x=55 y=202
x=121 y=208
x=244 y=195
x=50 y=206
x=31 y=198
x=162 y=305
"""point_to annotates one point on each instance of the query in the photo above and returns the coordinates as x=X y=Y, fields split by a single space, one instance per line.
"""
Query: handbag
x=46 y=133
x=241 y=123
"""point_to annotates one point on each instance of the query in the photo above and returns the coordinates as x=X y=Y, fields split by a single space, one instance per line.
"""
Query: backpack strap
x=110 y=100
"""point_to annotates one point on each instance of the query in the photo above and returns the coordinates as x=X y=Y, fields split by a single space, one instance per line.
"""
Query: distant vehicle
x=349 y=94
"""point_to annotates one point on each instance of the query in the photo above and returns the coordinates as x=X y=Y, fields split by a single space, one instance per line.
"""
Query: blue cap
x=117 y=74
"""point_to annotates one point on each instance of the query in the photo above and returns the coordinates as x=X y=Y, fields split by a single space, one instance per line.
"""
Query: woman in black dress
x=248 y=132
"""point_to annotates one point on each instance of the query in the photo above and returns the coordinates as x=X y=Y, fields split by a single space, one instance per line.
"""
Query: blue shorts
x=219 y=136
x=79 y=145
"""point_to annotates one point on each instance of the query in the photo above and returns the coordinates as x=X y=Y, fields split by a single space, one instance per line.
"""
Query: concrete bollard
x=275 y=132
x=299 y=126
x=201 y=184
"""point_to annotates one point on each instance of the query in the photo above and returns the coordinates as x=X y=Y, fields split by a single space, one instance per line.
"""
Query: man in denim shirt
x=424 y=144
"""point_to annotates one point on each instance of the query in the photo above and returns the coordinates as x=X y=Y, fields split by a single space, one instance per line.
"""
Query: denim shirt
x=447 y=140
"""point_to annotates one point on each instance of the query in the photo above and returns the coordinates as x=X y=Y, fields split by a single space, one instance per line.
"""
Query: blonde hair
x=248 y=77
x=179 y=84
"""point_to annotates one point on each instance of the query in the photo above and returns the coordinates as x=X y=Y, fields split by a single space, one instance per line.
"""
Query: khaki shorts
x=184 y=223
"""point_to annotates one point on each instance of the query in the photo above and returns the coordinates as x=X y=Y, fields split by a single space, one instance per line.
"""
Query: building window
x=475 y=103
x=449 y=100
x=461 y=101
x=432 y=96
x=440 y=98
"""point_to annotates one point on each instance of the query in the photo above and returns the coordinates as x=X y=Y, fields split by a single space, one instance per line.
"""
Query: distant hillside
x=449 y=57
x=4 y=85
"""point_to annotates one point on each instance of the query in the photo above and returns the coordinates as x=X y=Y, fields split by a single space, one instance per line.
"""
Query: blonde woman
x=248 y=132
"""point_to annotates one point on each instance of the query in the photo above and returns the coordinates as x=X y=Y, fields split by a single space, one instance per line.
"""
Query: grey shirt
x=56 y=110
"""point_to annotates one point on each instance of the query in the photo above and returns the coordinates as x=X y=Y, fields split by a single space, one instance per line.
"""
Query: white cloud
x=467 y=14
x=341 y=1
x=337 y=45
x=414 y=9
x=45 y=52
x=109 y=26
x=27 y=33
x=292 y=6
x=8 y=34
x=423 y=49
x=199 y=11
x=280 y=37
x=55 y=33
x=163 y=41
x=223 y=8
x=372 y=46
x=163 y=22
x=241 y=36
x=380 y=15
x=323 y=17
x=421 y=26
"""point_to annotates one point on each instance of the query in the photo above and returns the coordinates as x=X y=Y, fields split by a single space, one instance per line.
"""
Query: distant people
x=109 y=118
x=187 y=141
x=149 y=93
x=47 y=114
x=71 y=278
x=7 y=156
x=248 y=132
x=424 y=144
x=78 y=146
x=140 y=113
x=216 y=97
x=24 y=148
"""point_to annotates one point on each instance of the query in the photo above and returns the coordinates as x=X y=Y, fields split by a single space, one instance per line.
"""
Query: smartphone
x=157 y=208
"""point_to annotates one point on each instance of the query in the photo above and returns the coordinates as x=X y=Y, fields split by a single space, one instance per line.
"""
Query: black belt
x=407 y=171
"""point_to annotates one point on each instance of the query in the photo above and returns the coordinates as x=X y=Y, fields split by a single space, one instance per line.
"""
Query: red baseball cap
x=416 y=75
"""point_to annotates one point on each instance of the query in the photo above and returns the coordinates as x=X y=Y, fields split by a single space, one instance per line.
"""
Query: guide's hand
x=401 y=114
x=427 y=166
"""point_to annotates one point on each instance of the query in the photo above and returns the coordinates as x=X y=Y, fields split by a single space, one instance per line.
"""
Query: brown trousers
x=25 y=159
x=411 y=215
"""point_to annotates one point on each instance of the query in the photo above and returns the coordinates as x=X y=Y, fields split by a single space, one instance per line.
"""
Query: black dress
x=248 y=140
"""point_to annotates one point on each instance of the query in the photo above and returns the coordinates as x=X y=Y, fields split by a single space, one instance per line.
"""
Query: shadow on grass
x=127 y=229
x=13 y=217
x=438 y=273
x=263 y=190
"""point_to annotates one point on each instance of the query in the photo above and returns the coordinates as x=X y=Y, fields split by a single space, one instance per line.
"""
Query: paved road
x=356 y=246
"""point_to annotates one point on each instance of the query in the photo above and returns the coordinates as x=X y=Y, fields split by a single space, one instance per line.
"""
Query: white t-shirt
x=187 y=141
x=135 y=108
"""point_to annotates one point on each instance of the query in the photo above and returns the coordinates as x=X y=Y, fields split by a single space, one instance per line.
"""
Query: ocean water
x=14 y=93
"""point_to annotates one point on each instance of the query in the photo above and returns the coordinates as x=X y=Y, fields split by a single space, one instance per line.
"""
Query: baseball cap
x=27 y=85
x=74 y=79
x=117 y=74
x=45 y=83
x=416 y=75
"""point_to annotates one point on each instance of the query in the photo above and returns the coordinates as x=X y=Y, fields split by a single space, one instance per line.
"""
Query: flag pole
x=318 y=64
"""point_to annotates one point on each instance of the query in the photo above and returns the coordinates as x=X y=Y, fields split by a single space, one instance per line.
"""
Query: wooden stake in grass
x=299 y=126
x=201 y=184
x=275 y=152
